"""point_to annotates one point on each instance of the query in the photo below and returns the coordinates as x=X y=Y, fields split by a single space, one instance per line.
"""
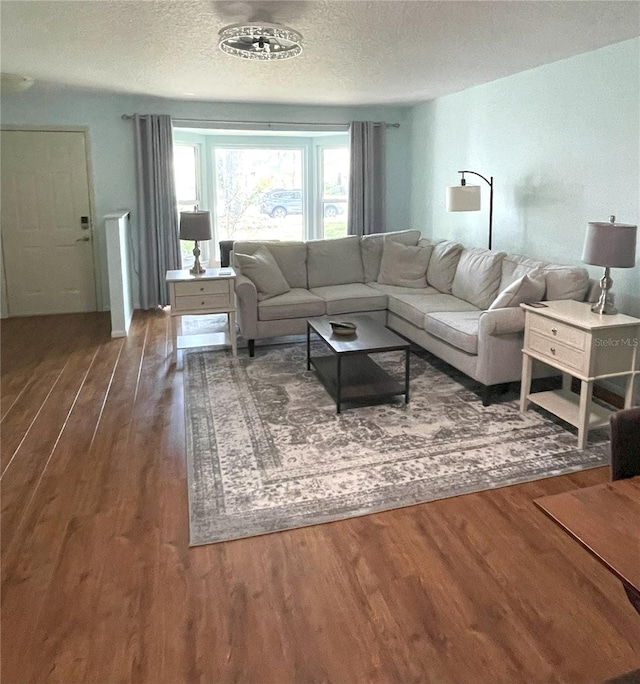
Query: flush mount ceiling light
x=260 y=41
x=14 y=83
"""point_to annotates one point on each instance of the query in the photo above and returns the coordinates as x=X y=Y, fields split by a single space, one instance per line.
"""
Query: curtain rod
x=268 y=123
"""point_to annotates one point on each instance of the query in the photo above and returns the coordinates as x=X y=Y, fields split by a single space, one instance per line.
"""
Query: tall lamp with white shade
x=612 y=245
x=465 y=197
x=195 y=225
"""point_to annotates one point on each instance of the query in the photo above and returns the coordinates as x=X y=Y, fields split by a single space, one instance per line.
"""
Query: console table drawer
x=208 y=287
x=561 y=332
x=557 y=352
x=216 y=301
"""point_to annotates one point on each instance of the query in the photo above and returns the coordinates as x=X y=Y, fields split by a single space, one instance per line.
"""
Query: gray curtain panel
x=366 y=181
x=157 y=207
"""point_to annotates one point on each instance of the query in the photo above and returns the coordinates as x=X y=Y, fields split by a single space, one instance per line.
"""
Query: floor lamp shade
x=463 y=198
x=195 y=225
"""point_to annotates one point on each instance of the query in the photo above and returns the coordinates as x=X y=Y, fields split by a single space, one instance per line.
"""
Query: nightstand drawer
x=216 y=301
x=561 y=332
x=202 y=287
x=557 y=352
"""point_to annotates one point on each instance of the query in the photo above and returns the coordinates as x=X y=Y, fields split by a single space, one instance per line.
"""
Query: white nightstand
x=568 y=336
x=210 y=293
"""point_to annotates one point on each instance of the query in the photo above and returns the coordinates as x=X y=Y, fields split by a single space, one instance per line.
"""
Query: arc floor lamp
x=465 y=197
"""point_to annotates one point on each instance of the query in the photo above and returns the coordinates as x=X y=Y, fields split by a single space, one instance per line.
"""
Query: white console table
x=210 y=293
x=568 y=336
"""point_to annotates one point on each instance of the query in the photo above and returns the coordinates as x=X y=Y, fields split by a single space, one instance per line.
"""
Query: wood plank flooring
x=99 y=584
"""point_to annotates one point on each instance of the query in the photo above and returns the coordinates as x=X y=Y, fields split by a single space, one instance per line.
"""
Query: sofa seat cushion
x=398 y=290
x=458 y=328
x=413 y=308
x=350 y=298
x=478 y=276
x=372 y=246
x=334 y=262
x=297 y=303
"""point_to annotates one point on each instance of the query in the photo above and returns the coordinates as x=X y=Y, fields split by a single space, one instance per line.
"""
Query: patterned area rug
x=267 y=452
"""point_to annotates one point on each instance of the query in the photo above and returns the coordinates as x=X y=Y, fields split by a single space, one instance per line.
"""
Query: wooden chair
x=625 y=461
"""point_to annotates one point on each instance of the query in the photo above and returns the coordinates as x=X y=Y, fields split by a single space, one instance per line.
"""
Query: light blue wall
x=111 y=141
x=563 y=144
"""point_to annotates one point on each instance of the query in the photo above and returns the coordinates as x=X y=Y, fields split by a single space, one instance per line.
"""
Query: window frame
x=260 y=146
x=319 y=149
x=205 y=248
x=311 y=144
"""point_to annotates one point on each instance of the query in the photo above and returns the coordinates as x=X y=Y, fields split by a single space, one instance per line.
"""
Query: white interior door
x=46 y=224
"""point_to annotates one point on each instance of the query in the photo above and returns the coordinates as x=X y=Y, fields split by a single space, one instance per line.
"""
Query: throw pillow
x=404 y=265
x=262 y=269
x=528 y=288
x=371 y=247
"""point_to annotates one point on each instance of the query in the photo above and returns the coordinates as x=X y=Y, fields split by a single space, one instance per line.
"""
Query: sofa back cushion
x=477 y=277
x=404 y=265
x=563 y=281
x=334 y=262
x=529 y=287
x=291 y=257
x=371 y=246
x=566 y=282
x=443 y=263
x=428 y=241
x=514 y=266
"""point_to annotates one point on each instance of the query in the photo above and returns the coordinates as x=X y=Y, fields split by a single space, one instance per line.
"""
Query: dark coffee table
x=348 y=373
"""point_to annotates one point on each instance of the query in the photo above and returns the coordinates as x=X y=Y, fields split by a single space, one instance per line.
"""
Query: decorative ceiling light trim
x=260 y=41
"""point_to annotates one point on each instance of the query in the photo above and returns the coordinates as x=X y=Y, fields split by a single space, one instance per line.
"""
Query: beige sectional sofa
x=447 y=310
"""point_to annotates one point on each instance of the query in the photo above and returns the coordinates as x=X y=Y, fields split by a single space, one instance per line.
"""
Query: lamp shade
x=610 y=244
x=195 y=225
x=463 y=198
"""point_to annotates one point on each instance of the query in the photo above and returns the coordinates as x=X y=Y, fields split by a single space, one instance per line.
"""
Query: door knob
x=83 y=239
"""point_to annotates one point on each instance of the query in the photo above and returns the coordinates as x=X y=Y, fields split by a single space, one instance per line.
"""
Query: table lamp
x=195 y=225
x=612 y=245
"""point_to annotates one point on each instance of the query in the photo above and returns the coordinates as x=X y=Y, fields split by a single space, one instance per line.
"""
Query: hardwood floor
x=99 y=584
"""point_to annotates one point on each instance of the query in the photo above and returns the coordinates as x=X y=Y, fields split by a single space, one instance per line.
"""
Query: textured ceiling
x=355 y=52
